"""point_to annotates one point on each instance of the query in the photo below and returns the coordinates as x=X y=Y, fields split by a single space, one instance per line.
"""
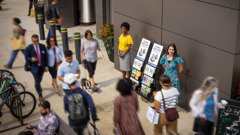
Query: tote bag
x=152 y=115
x=19 y=44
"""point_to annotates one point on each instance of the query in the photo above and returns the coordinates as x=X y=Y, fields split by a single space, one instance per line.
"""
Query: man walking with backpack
x=77 y=103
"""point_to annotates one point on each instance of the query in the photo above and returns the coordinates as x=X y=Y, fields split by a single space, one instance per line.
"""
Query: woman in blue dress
x=172 y=64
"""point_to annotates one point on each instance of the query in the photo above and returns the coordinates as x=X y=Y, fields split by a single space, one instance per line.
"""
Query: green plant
x=107 y=35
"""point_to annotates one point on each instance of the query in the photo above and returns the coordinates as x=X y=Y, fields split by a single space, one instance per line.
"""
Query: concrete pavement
x=106 y=76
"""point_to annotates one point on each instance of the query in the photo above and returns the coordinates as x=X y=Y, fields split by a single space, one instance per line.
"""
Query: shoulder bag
x=171 y=113
x=57 y=64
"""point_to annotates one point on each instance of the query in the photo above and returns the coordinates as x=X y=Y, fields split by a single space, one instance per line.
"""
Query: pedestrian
x=124 y=50
x=36 y=56
x=204 y=105
x=89 y=49
x=126 y=105
x=78 y=118
x=170 y=95
x=48 y=123
x=70 y=65
x=30 y=7
x=18 y=43
x=172 y=63
x=55 y=58
x=52 y=13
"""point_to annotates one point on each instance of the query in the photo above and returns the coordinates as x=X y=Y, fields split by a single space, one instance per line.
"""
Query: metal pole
x=41 y=28
x=64 y=38
x=77 y=39
x=52 y=27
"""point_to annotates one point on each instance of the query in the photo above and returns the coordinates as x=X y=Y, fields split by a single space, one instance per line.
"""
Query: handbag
x=171 y=113
x=203 y=126
x=152 y=115
x=19 y=44
x=57 y=65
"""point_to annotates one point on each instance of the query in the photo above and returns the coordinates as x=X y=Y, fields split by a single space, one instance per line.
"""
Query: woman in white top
x=170 y=95
x=54 y=54
x=204 y=104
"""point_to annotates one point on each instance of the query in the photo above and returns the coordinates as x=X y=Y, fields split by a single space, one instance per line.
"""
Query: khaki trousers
x=171 y=127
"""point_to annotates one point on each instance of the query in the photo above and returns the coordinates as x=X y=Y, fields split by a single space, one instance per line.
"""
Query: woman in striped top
x=125 y=118
x=170 y=95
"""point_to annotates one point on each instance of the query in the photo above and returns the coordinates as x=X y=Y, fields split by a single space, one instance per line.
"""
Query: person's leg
x=23 y=52
x=53 y=73
x=59 y=28
x=124 y=74
x=94 y=68
x=29 y=8
x=12 y=58
x=49 y=33
x=171 y=127
x=91 y=72
x=157 y=129
x=128 y=74
x=37 y=84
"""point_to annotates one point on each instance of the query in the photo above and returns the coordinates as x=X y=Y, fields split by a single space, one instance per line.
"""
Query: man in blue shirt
x=71 y=79
x=70 y=65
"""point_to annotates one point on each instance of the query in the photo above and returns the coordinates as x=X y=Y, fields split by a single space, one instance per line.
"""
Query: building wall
x=205 y=31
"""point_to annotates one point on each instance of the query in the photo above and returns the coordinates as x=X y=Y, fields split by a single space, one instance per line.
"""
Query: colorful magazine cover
x=147 y=80
x=145 y=90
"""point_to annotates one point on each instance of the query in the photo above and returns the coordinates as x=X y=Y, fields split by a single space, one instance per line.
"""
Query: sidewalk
x=106 y=76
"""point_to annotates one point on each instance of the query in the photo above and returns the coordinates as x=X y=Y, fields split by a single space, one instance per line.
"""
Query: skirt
x=125 y=62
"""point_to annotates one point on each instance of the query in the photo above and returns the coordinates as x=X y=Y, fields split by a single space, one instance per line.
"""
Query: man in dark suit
x=36 y=56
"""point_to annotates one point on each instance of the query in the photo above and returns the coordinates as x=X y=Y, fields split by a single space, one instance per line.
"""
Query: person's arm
x=101 y=53
x=91 y=106
x=129 y=47
x=81 y=52
x=119 y=52
x=193 y=102
x=180 y=68
x=157 y=105
x=61 y=53
x=117 y=112
x=46 y=59
x=60 y=73
x=164 y=66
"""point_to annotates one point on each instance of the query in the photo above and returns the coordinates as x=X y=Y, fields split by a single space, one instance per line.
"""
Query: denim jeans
x=49 y=33
x=13 y=56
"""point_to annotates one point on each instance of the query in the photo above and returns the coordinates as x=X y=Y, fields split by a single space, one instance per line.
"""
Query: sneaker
x=7 y=67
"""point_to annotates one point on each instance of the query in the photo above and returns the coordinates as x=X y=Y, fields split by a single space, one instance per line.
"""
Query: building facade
x=206 y=33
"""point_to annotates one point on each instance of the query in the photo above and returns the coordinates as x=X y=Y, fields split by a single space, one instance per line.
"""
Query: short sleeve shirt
x=64 y=69
x=124 y=42
x=89 y=48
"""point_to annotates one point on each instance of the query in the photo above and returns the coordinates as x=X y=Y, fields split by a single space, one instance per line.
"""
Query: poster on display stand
x=150 y=68
x=138 y=62
x=143 y=49
x=155 y=55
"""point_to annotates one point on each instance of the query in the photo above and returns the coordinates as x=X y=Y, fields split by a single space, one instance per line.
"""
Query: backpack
x=49 y=13
x=77 y=108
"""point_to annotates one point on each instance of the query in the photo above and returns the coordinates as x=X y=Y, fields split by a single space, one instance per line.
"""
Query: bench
x=64 y=128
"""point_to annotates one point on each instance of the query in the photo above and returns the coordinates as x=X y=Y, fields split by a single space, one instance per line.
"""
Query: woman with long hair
x=125 y=117
x=204 y=104
x=172 y=64
x=170 y=95
x=55 y=58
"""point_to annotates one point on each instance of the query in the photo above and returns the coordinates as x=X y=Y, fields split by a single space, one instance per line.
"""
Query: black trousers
x=91 y=68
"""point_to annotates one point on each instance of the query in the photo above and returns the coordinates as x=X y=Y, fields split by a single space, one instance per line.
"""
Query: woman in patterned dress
x=172 y=64
x=125 y=118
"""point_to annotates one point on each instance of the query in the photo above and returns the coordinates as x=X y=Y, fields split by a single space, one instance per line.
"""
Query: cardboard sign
x=143 y=49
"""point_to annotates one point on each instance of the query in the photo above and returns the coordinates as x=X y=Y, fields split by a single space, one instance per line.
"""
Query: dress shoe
x=41 y=98
x=7 y=67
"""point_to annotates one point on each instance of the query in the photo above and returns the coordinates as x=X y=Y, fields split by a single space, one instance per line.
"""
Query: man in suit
x=36 y=56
